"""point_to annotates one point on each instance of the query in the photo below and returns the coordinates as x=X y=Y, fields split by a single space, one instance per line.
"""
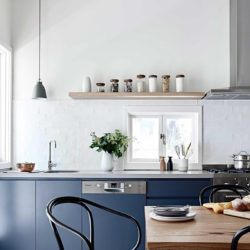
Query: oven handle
x=232 y=196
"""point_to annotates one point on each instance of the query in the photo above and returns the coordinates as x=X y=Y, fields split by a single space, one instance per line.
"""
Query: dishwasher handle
x=114 y=187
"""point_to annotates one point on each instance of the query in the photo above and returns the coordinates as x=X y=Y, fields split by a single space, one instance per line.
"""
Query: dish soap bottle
x=170 y=164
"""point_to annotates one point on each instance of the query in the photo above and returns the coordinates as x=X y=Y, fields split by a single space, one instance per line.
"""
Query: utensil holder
x=183 y=165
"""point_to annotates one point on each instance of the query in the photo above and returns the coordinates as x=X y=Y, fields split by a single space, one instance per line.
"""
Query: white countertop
x=110 y=175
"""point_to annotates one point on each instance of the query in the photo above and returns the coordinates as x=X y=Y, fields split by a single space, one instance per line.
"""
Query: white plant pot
x=107 y=161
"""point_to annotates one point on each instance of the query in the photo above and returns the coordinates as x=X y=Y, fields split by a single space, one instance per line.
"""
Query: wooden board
x=138 y=95
x=241 y=214
x=207 y=231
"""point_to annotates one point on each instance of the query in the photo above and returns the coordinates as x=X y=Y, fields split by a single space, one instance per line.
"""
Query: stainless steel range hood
x=239 y=55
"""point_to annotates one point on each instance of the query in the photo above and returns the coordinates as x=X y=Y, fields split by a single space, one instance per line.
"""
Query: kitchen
x=93 y=42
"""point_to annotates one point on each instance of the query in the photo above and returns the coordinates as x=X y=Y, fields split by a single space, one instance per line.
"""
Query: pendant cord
x=39 y=55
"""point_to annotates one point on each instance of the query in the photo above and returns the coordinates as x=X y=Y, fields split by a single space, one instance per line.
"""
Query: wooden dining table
x=207 y=231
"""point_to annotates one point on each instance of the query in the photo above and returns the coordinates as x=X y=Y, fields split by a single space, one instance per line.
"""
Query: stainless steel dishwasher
x=111 y=231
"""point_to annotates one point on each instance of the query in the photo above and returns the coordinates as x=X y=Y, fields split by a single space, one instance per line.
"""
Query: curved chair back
x=82 y=202
x=216 y=188
x=237 y=236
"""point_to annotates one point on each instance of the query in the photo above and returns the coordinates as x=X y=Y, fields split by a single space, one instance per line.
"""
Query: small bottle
x=180 y=83
x=165 y=83
x=152 y=83
x=128 y=85
x=141 y=83
x=162 y=163
x=114 y=85
x=100 y=87
x=170 y=164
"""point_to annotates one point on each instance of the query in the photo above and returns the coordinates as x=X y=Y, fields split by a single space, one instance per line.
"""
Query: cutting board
x=241 y=214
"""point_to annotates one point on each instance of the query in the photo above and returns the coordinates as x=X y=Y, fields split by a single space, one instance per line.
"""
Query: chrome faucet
x=50 y=163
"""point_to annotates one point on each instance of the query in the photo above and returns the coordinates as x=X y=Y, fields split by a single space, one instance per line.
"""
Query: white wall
x=5 y=22
x=120 y=38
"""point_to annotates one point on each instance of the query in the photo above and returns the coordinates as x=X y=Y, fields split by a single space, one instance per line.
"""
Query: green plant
x=114 y=143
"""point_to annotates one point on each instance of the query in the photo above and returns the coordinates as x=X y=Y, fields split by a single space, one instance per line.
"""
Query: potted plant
x=111 y=145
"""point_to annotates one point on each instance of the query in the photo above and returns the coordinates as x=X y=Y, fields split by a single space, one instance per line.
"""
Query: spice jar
x=141 y=83
x=165 y=83
x=100 y=87
x=128 y=85
x=114 y=85
x=180 y=83
x=152 y=83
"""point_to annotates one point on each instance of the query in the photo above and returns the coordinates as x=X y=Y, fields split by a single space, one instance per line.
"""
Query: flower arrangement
x=114 y=143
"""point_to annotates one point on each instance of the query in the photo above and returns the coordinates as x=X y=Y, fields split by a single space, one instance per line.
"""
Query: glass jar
x=114 y=87
x=165 y=83
x=141 y=83
x=100 y=87
x=180 y=83
x=152 y=83
x=128 y=85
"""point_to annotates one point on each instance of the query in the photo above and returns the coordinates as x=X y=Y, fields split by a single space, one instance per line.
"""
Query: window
x=157 y=130
x=5 y=107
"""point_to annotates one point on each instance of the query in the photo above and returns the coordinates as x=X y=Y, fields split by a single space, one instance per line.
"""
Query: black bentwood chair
x=237 y=237
x=82 y=202
x=235 y=189
x=216 y=188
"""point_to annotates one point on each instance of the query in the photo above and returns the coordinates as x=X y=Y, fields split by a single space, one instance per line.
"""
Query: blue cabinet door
x=68 y=213
x=111 y=231
x=17 y=215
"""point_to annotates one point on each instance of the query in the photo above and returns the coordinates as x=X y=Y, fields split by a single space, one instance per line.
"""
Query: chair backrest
x=237 y=237
x=216 y=188
x=82 y=202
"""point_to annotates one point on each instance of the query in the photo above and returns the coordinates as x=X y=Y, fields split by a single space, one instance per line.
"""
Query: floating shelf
x=138 y=95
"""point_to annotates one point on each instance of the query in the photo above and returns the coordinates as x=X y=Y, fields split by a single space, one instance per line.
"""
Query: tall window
x=5 y=107
x=155 y=131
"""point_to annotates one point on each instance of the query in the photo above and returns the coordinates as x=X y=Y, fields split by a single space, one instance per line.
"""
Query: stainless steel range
x=229 y=175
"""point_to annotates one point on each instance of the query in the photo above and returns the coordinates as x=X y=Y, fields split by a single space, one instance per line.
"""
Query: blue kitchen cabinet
x=113 y=232
x=69 y=214
x=17 y=215
x=175 y=191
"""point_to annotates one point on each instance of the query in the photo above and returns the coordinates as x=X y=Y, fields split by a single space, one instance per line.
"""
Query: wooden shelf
x=138 y=96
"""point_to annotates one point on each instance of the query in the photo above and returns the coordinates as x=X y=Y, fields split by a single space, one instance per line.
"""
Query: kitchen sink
x=61 y=171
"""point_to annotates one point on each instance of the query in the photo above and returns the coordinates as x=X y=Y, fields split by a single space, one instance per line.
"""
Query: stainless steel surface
x=241 y=160
x=61 y=171
x=109 y=187
x=50 y=163
x=239 y=55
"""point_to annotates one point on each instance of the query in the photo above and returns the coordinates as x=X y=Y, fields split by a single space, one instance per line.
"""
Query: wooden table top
x=207 y=231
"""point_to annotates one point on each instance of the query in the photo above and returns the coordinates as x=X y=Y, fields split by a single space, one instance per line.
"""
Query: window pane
x=178 y=131
x=145 y=134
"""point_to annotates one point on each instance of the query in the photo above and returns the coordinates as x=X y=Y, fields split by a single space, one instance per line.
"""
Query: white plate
x=189 y=216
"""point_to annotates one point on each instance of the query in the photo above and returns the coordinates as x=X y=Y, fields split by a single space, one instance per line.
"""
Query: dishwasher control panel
x=108 y=187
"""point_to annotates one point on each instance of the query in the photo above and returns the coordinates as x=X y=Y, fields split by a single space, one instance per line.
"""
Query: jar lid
x=152 y=76
x=179 y=76
x=166 y=76
x=128 y=80
x=141 y=76
x=114 y=80
x=100 y=84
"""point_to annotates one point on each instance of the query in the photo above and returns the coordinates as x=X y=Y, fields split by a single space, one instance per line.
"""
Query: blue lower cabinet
x=17 y=215
x=67 y=213
x=111 y=231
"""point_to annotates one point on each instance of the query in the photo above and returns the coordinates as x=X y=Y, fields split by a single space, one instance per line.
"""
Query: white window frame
x=155 y=111
x=6 y=103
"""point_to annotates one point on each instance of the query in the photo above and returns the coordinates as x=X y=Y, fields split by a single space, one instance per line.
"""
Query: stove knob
x=236 y=182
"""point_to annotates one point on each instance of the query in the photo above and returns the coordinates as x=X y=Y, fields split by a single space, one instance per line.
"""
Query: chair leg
x=237 y=237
